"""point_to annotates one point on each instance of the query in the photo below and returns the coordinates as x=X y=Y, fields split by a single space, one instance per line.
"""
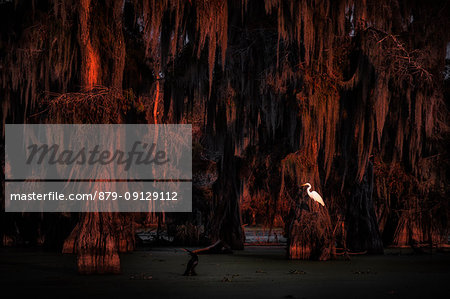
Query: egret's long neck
x=309 y=189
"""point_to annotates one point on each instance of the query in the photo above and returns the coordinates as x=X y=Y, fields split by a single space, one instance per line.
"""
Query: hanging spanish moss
x=349 y=96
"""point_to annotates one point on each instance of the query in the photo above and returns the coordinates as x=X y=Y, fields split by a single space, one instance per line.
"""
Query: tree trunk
x=309 y=225
x=225 y=220
x=310 y=234
x=361 y=221
x=97 y=250
x=99 y=237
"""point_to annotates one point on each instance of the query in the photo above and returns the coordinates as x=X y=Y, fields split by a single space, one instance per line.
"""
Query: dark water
x=257 y=272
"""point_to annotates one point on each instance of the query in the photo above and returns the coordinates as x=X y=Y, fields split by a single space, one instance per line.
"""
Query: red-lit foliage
x=347 y=95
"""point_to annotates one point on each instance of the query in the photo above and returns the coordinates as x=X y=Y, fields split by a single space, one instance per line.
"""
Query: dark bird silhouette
x=193 y=262
x=218 y=247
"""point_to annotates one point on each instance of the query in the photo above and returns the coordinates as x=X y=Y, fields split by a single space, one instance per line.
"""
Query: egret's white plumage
x=314 y=195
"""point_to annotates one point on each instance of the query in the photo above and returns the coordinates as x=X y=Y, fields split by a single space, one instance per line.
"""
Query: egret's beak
x=303 y=185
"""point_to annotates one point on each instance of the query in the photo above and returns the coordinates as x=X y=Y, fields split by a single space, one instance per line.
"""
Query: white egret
x=314 y=195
